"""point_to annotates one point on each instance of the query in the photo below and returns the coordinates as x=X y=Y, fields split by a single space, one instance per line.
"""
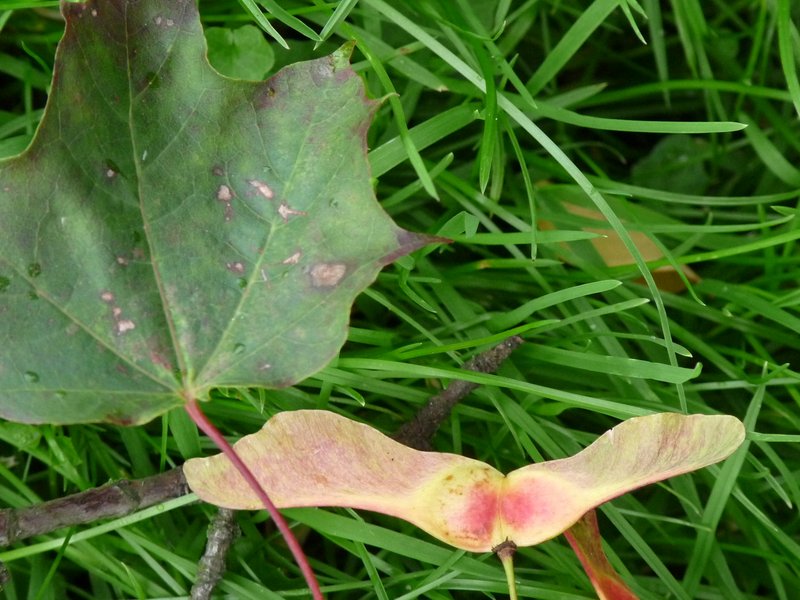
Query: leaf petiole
x=207 y=427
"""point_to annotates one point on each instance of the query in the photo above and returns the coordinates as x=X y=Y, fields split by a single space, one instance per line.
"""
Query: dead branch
x=112 y=500
x=418 y=432
x=221 y=534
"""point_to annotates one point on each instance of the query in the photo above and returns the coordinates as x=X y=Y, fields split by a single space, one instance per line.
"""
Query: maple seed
x=262 y=188
x=323 y=459
x=325 y=275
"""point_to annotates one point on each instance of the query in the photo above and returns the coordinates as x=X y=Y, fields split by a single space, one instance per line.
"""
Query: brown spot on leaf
x=285 y=211
x=225 y=195
x=125 y=325
x=327 y=275
x=262 y=188
x=235 y=267
x=265 y=94
x=160 y=360
x=293 y=259
x=107 y=297
x=115 y=419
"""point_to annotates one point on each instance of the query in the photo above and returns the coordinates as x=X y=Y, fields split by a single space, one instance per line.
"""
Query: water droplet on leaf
x=238 y=349
x=111 y=168
x=34 y=269
x=4 y=283
x=31 y=377
x=153 y=80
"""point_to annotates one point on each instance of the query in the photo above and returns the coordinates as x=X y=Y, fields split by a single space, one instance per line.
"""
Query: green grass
x=498 y=113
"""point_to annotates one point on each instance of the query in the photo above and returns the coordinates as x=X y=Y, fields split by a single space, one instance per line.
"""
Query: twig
x=112 y=500
x=418 y=432
x=221 y=533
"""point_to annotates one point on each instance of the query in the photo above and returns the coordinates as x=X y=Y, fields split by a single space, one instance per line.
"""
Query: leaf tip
x=340 y=59
x=408 y=242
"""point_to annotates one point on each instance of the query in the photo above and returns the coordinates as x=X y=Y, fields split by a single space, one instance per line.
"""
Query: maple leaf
x=170 y=230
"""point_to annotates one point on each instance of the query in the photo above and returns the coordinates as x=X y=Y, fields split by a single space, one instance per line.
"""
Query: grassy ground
x=504 y=112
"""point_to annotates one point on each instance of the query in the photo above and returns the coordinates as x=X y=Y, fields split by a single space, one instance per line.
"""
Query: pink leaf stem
x=200 y=419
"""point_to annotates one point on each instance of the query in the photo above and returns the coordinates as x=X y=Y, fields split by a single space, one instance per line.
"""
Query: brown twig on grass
x=112 y=500
x=418 y=432
x=221 y=534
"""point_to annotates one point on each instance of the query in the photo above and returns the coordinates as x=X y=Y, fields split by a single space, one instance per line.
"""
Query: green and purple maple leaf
x=170 y=230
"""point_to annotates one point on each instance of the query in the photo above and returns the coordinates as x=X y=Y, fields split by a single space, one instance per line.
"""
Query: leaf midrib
x=137 y=162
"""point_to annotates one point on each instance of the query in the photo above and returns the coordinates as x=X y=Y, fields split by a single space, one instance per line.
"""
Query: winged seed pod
x=318 y=458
